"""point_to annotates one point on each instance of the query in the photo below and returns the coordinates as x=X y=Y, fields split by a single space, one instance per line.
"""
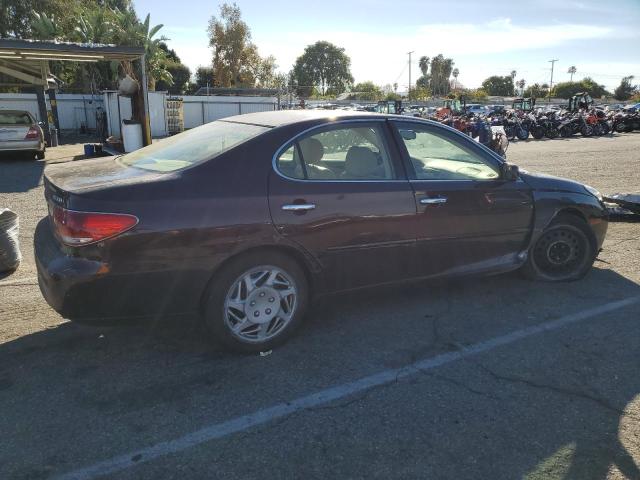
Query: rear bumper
x=22 y=146
x=88 y=291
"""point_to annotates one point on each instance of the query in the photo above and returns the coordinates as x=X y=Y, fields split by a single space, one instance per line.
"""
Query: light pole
x=409 y=94
x=552 y=62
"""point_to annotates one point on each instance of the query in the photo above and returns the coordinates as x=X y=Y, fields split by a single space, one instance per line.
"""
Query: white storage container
x=131 y=136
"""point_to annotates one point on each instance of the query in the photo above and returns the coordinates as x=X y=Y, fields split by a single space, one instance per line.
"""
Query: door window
x=435 y=157
x=343 y=153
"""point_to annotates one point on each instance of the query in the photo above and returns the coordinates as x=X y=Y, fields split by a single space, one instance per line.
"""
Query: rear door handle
x=299 y=207
x=433 y=201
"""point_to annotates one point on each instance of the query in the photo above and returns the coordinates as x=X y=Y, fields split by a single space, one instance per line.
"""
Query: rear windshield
x=191 y=147
x=15 y=118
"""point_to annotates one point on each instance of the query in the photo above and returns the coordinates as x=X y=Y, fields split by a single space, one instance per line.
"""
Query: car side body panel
x=193 y=221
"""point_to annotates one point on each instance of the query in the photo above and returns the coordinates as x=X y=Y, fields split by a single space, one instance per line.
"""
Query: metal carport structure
x=27 y=61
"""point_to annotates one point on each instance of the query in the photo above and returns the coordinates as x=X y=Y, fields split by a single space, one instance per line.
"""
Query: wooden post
x=42 y=103
x=144 y=113
x=42 y=110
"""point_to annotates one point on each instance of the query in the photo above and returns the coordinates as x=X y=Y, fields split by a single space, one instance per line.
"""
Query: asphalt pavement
x=481 y=378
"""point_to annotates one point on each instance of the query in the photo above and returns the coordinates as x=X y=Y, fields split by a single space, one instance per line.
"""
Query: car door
x=469 y=218
x=341 y=193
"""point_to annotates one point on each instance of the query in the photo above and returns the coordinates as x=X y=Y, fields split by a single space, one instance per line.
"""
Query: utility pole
x=552 y=62
x=410 y=74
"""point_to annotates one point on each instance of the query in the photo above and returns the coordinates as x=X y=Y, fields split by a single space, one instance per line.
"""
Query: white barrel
x=131 y=136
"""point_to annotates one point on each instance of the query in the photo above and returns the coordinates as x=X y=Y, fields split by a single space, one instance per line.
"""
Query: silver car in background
x=20 y=132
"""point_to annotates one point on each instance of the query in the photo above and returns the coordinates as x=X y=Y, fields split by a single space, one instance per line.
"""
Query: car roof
x=286 y=117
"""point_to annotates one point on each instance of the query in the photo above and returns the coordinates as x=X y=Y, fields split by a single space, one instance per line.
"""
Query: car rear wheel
x=565 y=251
x=256 y=302
x=40 y=155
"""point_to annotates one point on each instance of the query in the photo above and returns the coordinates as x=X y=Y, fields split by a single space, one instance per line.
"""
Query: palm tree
x=424 y=65
x=513 y=77
x=521 y=83
x=571 y=71
x=132 y=32
x=455 y=74
x=44 y=27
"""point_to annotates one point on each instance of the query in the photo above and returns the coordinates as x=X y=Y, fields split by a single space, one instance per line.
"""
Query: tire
x=587 y=131
x=552 y=133
x=510 y=133
x=522 y=133
x=40 y=155
x=566 y=132
x=537 y=133
x=621 y=127
x=565 y=251
x=229 y=297
x=598 y=130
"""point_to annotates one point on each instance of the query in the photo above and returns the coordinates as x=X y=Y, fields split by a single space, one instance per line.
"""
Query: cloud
x=381 y=55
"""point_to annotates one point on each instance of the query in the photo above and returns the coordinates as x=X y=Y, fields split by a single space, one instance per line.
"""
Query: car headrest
x=312 y=150
x=361 y=162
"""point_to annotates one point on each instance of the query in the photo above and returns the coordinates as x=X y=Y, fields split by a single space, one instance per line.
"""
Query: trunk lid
x=87 y=176
x=13 y=133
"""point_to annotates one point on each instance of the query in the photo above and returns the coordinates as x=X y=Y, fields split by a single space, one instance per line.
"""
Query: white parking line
x=238 y=424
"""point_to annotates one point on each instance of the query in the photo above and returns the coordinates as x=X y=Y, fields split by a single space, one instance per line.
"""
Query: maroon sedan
x=246 y=219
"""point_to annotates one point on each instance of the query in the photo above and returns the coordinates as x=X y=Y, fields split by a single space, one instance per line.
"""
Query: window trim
x=448 y=133
x=294 y=140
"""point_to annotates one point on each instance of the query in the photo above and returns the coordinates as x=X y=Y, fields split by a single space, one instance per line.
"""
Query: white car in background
x=19 y=132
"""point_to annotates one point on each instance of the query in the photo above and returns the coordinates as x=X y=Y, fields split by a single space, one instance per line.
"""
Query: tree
x=625 y=90
x=441 y=69
x=513 y=79
x=366 y=91
x=455 y=74
x=180 y=73
x=236 y=61
x=476 y=95
x=587 y=84
x=204 y=76
x=498 y=86
x=572 y=70
x=323 y=65
x=536 y=90
x=521 y=83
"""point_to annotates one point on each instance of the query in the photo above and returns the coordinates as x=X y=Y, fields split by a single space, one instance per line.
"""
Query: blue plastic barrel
x=89 y=150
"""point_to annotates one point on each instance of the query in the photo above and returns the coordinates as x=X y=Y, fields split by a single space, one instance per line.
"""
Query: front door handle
x=299 y=207
x=433 y=201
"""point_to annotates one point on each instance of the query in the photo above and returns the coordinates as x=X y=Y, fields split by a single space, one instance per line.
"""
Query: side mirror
x=510 y=172
x=408 y=134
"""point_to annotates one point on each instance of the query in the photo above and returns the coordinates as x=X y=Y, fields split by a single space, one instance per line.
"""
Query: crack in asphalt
x=556 y=389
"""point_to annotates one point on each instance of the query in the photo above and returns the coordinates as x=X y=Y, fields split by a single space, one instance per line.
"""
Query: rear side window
x=15 y=118
x=191 y=147
x=338 y=153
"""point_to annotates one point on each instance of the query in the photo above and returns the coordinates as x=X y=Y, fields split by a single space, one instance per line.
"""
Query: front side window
x=191 y=147
x=342 y=153
x=435 y=157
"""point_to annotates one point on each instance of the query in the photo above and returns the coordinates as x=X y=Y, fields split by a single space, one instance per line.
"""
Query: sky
x=484 y=37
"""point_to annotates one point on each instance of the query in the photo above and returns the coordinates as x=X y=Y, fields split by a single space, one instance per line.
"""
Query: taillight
x=82 y=228
x=33 y=133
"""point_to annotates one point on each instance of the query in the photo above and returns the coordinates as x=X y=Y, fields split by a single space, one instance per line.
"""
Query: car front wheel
x=256 y=302
x=565 y=251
